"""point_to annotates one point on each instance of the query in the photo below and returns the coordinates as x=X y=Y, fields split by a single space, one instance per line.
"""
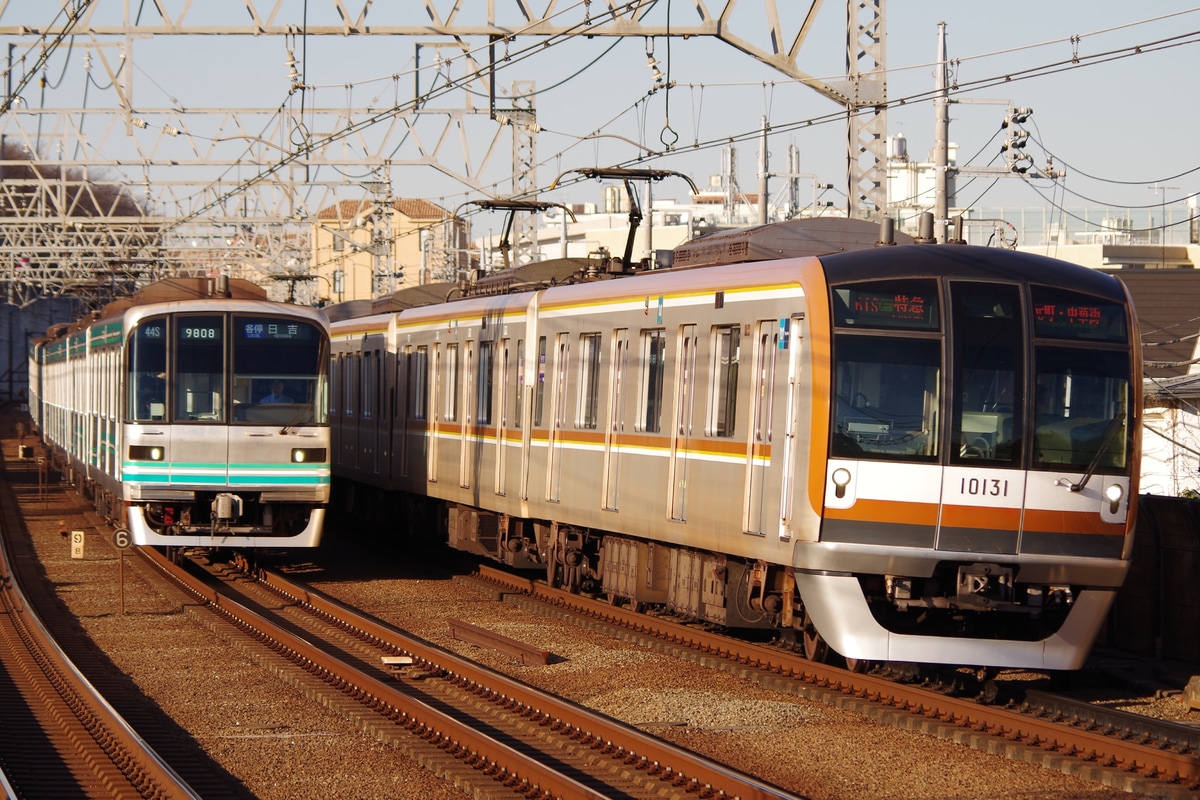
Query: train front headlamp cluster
x=307 y=455
x=146 y=452
x=1115 y=494
x=841 y=479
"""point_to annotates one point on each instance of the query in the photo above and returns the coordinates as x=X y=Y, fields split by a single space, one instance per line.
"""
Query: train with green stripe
x=193 y=414
x=892 y=450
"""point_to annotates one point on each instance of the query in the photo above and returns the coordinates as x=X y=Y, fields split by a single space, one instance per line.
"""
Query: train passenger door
x=472 y=414
x=760 y=503
x=618 y=350
x=681 y=423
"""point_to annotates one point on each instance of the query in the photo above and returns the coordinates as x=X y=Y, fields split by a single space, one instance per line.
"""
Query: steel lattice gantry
x=115 y=190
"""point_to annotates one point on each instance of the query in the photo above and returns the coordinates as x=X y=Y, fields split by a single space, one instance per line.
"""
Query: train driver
x=277 y=395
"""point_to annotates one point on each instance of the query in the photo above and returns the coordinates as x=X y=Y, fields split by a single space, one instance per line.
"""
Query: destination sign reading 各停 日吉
x=272 y=330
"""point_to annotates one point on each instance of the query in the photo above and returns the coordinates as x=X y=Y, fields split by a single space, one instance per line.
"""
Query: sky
x=1109 y=84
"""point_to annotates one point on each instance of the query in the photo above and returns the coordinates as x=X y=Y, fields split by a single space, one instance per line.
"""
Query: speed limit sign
x=121 y=538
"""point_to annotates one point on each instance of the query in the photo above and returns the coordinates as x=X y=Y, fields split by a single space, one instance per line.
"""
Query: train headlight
x=145 y=452
x=306 y=455
x=1115 y=493
x=841 y=479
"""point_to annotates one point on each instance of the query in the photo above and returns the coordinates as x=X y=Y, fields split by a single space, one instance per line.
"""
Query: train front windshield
x=222 y=367
x=1036 y=377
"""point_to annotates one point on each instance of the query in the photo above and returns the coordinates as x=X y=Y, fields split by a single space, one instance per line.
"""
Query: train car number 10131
x=984 y=487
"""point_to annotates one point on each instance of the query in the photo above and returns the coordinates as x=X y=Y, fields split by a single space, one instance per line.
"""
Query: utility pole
x=941 y=138
x=762 y=173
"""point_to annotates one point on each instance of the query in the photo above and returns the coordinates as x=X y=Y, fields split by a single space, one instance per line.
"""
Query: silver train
x=194 y=414
x=908 y=453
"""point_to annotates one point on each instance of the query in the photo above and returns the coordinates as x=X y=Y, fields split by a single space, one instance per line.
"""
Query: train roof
x=793 y=238
x=971 y=261
x=409 y=297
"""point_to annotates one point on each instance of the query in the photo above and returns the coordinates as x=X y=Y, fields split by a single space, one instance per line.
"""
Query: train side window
x=450 y=410
x=722 y=395
x=589 y=381
x=562 y=347
x=335 y=380
x=686 y=371
x=418 y=383
x=650 y=381
x=540 y=390
x=369 y=378
x=620 y=350
x=519 y=394
x=399 y=388
x=484 y=383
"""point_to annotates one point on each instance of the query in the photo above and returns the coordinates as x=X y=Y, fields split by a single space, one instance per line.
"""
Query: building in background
x=362 y=249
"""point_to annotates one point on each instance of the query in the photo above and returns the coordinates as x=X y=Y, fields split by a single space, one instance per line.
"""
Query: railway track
x=1149 y=757
x=60 y=736
x=485 y=732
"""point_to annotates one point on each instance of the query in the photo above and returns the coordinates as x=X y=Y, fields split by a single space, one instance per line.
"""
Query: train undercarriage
x=959 y=600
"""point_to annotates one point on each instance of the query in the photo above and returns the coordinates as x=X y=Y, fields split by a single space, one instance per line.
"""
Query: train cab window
x=887 y=353
x=989 y=343
x=722 y=393
x=1082 y=382
x=589 y=381
x=650 y=381
x=886 y=397
x=199 y=390
x=1082 y=409
x=148 y=370
x=278 y=373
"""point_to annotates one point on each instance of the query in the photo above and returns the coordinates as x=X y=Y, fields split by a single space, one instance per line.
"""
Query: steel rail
x=681 y=765
x=1098 y=744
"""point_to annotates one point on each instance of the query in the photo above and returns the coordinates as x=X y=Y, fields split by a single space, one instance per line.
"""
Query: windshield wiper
x=1116 y=424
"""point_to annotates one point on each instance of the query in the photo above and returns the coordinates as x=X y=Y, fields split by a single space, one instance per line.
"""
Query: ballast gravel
x=282 y=746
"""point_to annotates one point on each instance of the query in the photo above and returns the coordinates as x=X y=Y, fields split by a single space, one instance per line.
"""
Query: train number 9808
x=201 y=333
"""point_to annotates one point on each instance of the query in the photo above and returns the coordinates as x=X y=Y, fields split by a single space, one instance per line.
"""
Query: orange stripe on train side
x=887 y=511
x=1070 y=522
x=1008 y=519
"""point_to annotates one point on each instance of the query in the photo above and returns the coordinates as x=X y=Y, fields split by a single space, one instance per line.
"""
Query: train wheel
x=815 y=648
x=856 y=665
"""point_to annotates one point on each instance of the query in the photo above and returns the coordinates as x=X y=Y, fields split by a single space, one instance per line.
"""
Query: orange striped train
x=908 y=453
